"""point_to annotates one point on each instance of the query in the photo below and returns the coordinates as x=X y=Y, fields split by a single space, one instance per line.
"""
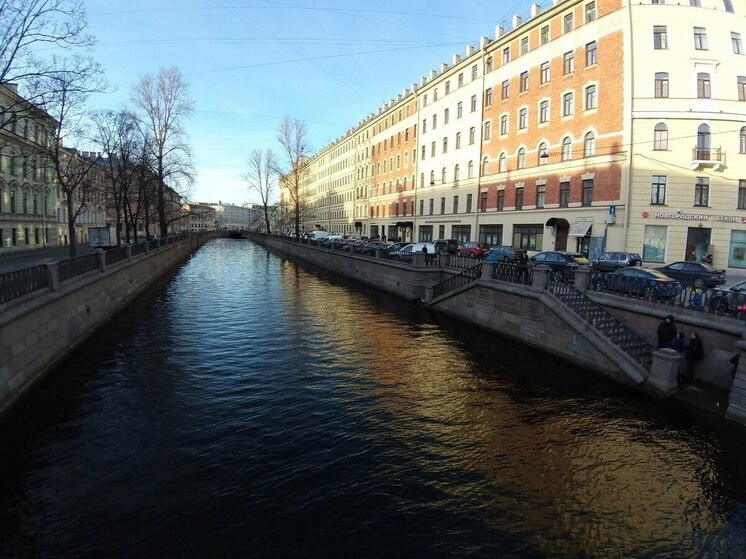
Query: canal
x=247 y=407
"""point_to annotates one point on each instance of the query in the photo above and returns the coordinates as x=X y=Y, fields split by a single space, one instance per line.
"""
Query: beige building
x=588 y=126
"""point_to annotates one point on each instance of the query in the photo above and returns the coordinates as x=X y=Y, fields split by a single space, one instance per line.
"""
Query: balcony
x=704 y=157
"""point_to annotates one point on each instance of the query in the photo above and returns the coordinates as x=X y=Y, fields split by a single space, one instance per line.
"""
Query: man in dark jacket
x=666 y=332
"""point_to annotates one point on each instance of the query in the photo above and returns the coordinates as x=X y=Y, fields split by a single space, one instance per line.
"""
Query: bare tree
x=293 y=137
x=28 y=28
x=262 y=179
x=164 y=104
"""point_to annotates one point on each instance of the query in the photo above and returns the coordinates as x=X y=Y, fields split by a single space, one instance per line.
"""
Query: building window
x=472 y=134
x=742 y=88
x=461 y=79
x=568 y=104
x=742 y=140
x=519 y=198
x=460 y=109
x=591 y=101
x=589 y=144
x=470 y=170
x=502 y=163
x=660 y=37
x=590 y=12
x=658 y=190
x=474 y=71
x=703 y=85
x=567 y=23
x=566 y=149
x=524 y=82
x=455 y=204
x=523 y=119
x=456 y=173
x=500 y=200
x=432 y=178
x=661 y=85
x=544 y=35
x=506 y=89
x=468 y=203
x=541 y=195
x=544 y=72
x=700 y=38
x=564 y=194
x=521 y=159
x=446 y=116
x=506 y=55
x=488 y=97
x=485 y=166
x=728 y=5
x=423 y=153
x=432 y=206
x=591 y=54
x=442 y=205
x=735 y=39
x=702 y=192
x=448 y=90
x=422 y=207
x=569 y=65
x=445 y=145
x=487 y=66
x=487 y=131
x=544 y=111
x=443 y=175
x=587 y=192
x=435 y=121
x=660 y=137
x=503 y=125
x=424 y=130
x=742 y=194
x=696 y=3
x=543 y=155
x=473 y=103
x=654 y=243
x=458 y=140
x=524 y=45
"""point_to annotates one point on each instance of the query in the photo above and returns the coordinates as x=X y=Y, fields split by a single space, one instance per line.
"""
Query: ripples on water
x=250 y=408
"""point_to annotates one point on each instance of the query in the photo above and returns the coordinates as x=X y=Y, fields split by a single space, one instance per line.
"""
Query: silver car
x=612 y=261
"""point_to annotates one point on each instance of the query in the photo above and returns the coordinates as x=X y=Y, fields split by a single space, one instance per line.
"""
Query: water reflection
x=257 y=408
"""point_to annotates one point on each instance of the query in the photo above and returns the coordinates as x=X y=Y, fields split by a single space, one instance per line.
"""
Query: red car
x=474 y=249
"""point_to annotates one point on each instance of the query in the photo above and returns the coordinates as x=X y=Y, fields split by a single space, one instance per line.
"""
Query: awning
x=405 y=224
x=580 y=229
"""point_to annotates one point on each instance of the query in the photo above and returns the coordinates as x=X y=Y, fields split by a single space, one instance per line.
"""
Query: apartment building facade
x=593 y=125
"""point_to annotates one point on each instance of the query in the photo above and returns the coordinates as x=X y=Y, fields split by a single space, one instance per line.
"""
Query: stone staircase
x=592 y=313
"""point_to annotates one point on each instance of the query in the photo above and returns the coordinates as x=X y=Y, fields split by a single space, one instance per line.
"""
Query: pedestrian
x=693 y=353
x=666 y=332
x=679 y=343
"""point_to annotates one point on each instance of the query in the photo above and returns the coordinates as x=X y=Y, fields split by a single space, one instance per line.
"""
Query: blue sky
x=250 y=62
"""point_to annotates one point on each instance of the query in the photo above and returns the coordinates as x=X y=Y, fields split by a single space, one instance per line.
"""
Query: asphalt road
x=20 y=260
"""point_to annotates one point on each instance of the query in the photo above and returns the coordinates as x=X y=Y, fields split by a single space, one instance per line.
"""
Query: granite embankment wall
x=39 y=331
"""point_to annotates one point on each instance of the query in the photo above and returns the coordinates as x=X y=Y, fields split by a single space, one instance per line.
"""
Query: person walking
x=666 y=332
x=693 y=353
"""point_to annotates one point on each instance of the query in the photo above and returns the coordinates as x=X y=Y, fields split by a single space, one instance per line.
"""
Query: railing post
x=487 y=268
x=418 y=259
x=664 y=372
x=379 y=253
x=428 y=293
x=583 y=278
x=101 y=259
x=128 y=252
x=147 y=245
x=53 y=277
x=541 y=278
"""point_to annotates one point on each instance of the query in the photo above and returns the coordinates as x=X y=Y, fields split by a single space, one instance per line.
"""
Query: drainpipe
x=630 y=57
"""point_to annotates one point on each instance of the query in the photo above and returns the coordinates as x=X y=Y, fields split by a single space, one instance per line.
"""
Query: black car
x=694 y=274
x=560 y=261
x=446 y=246
x=636 y=280
x=611 y=261
x=370 y=248
x=728 y=299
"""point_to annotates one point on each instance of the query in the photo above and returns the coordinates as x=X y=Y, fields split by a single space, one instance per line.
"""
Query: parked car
x=474 y=249
x=396 y=246
x=611 y=261
x=405 y=254
x=636 y=280
x=446 y=246
x=504 y=254
x=370 y=248
x=730 y=299
x=560 y=261
x=694 y=274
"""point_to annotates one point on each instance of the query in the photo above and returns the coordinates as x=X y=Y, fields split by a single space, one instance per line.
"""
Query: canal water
x=247 y=407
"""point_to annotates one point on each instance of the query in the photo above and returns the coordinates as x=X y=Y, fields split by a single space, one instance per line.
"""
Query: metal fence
x=72 y=267
x=454 y=282
x=22 y=282
x=139 y=248
x=116 y=255
x=513 y=273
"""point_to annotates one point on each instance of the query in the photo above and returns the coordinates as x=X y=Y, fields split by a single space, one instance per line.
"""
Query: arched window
x=660 y=137
x=728 y=4
x=742 y=141
x=422 y=179
x=543 y=154
x=405 y=183
x=522 y=158
x=485 y=166
x=502 y=163
x=432 y=178
x=443 y=175
x=566 y=149
x=456 y=173
x=589 y=144
x=703 y=142
x=470 y=168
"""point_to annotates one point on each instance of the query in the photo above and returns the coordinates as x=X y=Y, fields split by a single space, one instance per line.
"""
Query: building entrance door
x=560 y=235
x=697 y=243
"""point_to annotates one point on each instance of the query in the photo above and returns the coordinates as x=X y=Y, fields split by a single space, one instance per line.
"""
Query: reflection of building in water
x=573 y=478
x=589 y=126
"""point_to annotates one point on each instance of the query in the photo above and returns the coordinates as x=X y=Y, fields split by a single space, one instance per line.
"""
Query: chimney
x=516 y=22
x=483 y=42
x=443 y=67
x=456 y=59
x=469 y=50
x=499 y=31
x=433 y=73
x=535 y=10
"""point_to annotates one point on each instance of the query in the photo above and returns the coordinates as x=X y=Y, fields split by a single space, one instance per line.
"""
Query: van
x=316 y=235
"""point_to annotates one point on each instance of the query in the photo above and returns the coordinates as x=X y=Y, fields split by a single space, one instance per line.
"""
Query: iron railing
x=513 y=273
x=116 y=255
x=22 y=282
x=72 y=267
x=592 y=313
x=139 y=248
x=454 y=282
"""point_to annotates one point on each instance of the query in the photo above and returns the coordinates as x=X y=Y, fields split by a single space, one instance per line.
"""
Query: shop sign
x=695 y=217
